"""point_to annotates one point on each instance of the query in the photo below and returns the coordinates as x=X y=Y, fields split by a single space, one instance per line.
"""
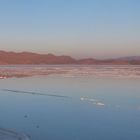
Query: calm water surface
x=94 y=108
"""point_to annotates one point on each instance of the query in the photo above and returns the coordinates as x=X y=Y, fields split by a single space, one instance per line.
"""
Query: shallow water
x=97 y=108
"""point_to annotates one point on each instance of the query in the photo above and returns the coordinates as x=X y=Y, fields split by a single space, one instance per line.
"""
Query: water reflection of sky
x=52 y=118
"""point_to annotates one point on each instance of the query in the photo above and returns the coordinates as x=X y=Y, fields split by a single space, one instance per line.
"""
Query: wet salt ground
x=75 y=118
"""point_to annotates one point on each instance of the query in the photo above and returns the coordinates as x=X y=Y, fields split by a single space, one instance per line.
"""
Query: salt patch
x=100 y=104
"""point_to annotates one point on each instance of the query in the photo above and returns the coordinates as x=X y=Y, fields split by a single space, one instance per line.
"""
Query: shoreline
x=18 y=71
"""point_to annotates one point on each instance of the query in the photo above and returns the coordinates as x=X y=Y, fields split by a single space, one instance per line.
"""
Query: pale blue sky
x=81 y=28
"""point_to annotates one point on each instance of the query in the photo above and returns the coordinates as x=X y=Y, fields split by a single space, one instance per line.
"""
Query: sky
x=80 y=28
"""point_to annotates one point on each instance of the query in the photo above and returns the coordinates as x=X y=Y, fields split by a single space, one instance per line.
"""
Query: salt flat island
x=11 y=135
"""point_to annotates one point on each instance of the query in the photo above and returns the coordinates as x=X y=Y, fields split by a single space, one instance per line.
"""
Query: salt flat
x=70 y=70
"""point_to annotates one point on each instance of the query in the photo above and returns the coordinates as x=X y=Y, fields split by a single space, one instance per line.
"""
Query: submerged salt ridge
x=69 y=71
x=35 y=93
x=6 y=134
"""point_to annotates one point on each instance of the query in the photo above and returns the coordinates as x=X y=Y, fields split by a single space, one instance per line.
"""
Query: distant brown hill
x=34 y=58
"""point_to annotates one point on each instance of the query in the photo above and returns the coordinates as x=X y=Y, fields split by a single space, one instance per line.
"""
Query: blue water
x=55 y=118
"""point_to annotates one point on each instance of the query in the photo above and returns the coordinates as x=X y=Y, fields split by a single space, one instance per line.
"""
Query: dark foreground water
x=71 y=107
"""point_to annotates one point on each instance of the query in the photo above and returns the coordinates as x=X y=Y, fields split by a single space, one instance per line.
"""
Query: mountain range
x=34 y=58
